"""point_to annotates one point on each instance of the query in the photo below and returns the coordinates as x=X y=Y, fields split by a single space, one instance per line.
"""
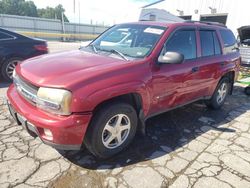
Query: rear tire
x=247 y=90
x=111 y=130
x=8 y=68
x=220 y=94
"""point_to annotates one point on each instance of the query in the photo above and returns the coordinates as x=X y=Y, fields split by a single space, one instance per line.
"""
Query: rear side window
x=184 y=42
x=209 y=43
x=228 y=40
x=5 y=36
x=217 y=46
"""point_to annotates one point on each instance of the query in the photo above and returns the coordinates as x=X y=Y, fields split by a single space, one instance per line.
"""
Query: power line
x=152 y=3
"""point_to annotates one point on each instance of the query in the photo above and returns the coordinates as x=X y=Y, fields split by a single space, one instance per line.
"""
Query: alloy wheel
x=222 y=92
x=116 y=131
x=10 y=67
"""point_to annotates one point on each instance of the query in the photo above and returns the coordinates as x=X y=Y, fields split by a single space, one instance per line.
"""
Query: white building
x=162 y=15
x=230 y=12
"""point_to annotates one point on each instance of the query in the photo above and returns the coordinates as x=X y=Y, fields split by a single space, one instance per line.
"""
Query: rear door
x=209 y=62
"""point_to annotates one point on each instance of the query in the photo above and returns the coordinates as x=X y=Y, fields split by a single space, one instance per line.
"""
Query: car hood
x=63 y=70
x=244 y=33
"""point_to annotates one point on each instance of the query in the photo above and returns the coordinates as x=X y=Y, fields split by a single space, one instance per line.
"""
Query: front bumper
x=67 y=131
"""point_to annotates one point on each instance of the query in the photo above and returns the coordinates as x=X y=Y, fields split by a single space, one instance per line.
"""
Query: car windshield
x=128 y=41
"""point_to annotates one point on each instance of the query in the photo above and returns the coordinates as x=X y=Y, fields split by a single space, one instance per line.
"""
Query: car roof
x=6 y=30
x=12 y=33
x=185 y=23
x=9 y=32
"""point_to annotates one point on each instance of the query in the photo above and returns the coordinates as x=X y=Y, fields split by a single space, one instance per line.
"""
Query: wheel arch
x=134 y=99
x=231 y=76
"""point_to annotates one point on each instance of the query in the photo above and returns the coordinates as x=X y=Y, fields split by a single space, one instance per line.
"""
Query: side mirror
x=171 y=58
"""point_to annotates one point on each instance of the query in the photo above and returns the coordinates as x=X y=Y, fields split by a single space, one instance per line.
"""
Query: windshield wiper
x=119 y=53
x=93 y=47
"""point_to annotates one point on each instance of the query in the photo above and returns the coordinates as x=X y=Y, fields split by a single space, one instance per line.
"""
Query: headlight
x=56 y=101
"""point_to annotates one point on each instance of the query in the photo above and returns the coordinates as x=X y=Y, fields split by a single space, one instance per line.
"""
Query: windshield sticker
x=154 y=31
x=139 y=53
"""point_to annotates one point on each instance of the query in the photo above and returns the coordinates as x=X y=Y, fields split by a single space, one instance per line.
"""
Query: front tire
x=112 y=129
x=220 y=94
x=8 y=68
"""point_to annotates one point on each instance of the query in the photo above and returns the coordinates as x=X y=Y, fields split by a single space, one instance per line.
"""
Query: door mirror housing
x=171 y=58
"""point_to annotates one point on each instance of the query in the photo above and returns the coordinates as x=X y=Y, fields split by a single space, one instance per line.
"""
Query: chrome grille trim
x=25 y=89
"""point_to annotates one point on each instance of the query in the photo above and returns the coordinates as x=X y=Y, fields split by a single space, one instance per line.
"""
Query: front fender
x=90 y=102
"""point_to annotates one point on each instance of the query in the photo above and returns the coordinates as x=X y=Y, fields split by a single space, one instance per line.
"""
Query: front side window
x=183 y=42
x=132 y=41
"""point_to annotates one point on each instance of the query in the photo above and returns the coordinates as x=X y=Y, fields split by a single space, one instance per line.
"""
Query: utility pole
x=74 y=6
x=63 y=26
x=79 y=12
x=79 y=16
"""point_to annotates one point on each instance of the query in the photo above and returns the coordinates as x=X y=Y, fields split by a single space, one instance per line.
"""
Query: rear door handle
x=222 y=64
x=195 y=69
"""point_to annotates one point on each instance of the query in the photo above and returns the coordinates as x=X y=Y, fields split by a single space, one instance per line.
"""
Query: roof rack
x=208 y=23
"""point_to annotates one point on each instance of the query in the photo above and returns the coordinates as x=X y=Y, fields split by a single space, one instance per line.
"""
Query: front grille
x=27 y=90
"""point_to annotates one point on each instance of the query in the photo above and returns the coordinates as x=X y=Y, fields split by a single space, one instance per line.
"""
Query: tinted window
x=227 y=37
x=207 y=43
x=184 y=42
x=217 y=47
x=4 y=36
x=229 y=41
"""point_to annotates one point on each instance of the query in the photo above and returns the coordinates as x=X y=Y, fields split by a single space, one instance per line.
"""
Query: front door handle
x=195 y=69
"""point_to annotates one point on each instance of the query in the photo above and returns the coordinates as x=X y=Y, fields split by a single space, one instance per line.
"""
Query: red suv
x=102 y=94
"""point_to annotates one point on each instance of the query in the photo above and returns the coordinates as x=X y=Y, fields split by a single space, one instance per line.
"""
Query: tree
x=18 y=7
x=53 y=13
x=28 y=8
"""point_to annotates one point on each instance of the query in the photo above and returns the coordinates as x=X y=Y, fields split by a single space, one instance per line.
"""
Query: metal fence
x=49 y=28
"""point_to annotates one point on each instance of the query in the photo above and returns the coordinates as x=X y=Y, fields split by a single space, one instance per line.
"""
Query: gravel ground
x=192 y=146
x=188 y=147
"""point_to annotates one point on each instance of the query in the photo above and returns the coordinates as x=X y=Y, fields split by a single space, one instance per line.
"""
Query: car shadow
x=4 y=84
x=166 y=133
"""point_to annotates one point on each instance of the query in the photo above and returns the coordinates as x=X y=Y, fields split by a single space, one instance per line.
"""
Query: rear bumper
x=67 y=131
x=245 y=63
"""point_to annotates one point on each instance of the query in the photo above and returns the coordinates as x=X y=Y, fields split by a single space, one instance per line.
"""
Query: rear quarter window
x=229 y=41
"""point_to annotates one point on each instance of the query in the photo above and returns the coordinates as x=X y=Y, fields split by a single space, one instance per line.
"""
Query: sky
x=107 y=12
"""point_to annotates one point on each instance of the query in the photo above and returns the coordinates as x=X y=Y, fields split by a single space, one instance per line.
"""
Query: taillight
x=41 y=47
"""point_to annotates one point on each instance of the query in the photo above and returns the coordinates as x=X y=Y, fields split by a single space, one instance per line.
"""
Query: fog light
x=48 y=133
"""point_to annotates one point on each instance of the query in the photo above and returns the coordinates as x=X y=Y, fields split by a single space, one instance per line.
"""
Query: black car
x=14 y=48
